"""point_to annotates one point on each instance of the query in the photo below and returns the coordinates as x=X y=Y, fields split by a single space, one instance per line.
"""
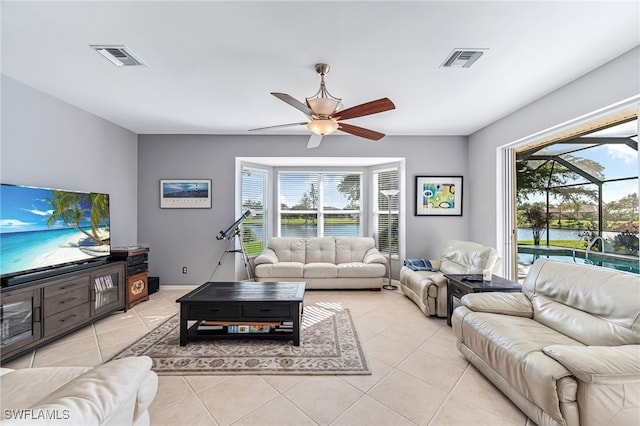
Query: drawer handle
x=62 y=302
x=68 y=286
x=214 y=310
x=265 y=310
x=68 y=318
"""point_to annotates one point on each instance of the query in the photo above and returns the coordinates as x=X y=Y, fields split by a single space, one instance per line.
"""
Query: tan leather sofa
x=323 y=262
x=115 y=393
x=565 y=351
x=428 y=289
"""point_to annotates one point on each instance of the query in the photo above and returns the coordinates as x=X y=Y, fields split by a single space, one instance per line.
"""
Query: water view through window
x=578 y=199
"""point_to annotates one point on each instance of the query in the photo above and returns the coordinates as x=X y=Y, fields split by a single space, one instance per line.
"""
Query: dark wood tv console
x=36 y=312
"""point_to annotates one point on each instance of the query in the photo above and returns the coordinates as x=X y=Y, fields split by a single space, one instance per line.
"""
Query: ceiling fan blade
x=314 y=141
x=293 y=102
x=360 y=131
x=280 y=125
x=373 y=107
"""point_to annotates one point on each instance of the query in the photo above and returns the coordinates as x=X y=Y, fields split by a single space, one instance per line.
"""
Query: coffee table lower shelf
x=193 y=334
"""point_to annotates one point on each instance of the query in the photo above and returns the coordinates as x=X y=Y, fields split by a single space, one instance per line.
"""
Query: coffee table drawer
x=259 y=310
x=212 y=311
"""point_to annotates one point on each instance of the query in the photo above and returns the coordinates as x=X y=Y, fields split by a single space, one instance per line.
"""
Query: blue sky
x=25 y=209
x=619 y=161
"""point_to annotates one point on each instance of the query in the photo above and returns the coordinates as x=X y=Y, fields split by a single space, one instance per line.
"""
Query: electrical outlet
x=184 y=269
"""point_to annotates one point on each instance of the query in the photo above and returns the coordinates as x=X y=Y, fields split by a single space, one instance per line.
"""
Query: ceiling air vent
x=462 y=58
x=120 y=56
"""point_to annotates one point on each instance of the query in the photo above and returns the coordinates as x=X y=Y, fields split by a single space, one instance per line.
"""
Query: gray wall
x=611 y=83
x=186 y=237
x=49 y=143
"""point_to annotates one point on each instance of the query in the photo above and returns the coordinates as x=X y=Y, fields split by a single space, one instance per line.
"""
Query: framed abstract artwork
x=185 y=193
x=438 y=195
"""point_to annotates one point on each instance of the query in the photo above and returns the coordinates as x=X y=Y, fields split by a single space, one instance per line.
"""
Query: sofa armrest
x=105 y=395
x=608 y=379
x=599 y=364
x=374 y=256
x=268 y=256
x=515 y=304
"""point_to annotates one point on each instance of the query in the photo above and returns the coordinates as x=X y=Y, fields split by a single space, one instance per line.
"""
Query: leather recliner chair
x=428 y=289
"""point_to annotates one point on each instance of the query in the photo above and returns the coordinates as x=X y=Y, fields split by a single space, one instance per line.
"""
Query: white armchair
x=428 y=289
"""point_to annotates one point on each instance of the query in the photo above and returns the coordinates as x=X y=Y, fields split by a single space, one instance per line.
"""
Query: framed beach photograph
x=438 y=196
x=185 y=193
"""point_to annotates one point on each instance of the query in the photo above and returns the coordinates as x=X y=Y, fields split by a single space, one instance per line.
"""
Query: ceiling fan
x=323 y=111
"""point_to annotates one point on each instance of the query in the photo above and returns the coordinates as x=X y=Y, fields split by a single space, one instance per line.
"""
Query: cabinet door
x=20 y=319
x=107 y=289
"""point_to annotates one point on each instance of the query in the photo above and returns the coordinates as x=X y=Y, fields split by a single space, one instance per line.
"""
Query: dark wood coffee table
x=232 y=303
x=461 y=284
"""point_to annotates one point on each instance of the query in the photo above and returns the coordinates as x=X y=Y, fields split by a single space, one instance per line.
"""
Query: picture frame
x=438 y=196
x=185 y=193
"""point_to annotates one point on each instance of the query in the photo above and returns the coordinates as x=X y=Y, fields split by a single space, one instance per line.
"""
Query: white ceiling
x=212 y=64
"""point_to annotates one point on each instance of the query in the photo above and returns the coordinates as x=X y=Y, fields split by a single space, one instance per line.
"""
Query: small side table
x=459 y=285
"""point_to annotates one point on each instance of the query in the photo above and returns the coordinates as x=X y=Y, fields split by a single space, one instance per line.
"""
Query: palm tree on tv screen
x=68 y=207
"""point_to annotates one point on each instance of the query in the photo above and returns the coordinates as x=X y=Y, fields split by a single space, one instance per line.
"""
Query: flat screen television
x=47 y=231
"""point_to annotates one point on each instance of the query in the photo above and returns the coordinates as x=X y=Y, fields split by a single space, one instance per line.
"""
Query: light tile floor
x=419 y=377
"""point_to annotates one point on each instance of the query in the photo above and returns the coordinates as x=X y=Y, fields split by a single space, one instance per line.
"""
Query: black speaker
x=154 y=284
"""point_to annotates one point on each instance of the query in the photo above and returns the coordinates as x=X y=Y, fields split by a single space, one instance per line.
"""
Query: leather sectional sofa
x=428 y=289
x=323 y=262
x=566 y=350
x=116 y=393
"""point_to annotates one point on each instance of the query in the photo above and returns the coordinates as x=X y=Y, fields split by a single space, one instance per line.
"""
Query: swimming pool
x=526 y=257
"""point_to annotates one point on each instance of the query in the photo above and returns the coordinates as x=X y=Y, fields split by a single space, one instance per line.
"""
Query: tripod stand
x=236 y=233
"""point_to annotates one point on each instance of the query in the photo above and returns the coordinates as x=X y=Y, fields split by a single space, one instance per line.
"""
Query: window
x=319 y=204
x=254 y=197
x=387 y=179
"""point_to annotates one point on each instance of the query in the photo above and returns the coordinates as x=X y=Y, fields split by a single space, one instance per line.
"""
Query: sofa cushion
x=96 y=398
x=514 y=349
x=18 y=390
x=352 y=249
x=320 y=270
x=466 y=257
x=280 y=270
x=289 y=249
x=572 y=300
x=360 y=270
x=321 y=249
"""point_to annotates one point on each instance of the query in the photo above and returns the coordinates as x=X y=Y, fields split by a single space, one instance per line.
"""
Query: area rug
x=329 y=344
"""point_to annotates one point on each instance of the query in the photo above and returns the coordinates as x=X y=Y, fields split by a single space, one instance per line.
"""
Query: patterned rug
x=329 y=344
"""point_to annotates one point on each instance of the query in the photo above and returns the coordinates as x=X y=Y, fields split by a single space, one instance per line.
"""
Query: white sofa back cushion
x=321 y=250
x=288 y=249
x=595 y=306
x=352 y=249
x=466 y=257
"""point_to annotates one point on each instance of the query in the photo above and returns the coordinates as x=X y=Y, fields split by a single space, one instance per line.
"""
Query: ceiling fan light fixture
x=323 y=106
x=322 y=127
x=322 y=103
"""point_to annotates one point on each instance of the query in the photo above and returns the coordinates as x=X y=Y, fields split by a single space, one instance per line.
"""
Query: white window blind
x=254 y=198
x=318 y=203
x=384 y=180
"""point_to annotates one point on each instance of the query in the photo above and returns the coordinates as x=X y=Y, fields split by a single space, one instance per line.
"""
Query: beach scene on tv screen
x=40 y=227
